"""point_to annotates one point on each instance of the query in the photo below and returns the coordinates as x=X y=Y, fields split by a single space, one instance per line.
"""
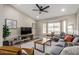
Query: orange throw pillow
x=68 y=38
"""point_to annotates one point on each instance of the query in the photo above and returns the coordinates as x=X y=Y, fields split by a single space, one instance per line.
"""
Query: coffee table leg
x=38 y=49
x=44 y=48
x=35 y=45
x=49 y=43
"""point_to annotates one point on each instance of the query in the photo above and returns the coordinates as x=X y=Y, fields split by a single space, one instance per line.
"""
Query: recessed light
x=63 y=10
x=37 y=16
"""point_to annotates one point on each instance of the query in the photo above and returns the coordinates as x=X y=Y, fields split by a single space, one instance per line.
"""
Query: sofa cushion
x=68 y=38
x=61 y=44
x=73 y=50
x=76 y=39
x=61 y=40
x=56 y=50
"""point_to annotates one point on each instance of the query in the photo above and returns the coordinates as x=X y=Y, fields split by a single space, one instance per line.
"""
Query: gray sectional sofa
x=61 y=47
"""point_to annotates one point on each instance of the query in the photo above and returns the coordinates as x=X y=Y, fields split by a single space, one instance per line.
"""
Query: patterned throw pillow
x=68 y=38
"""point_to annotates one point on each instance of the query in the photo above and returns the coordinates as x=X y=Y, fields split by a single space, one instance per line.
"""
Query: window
x=64 y=26
x=44 y=28
x=50 y=27
x=54 y=27
x=70 y=29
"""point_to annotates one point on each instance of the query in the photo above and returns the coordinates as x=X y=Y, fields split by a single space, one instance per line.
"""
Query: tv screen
x=26 y=30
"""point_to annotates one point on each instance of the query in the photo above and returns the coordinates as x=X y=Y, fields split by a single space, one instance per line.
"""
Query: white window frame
x=71 y=30
x=53 y=28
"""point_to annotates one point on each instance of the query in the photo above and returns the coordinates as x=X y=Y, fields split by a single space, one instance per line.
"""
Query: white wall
x=77 y=21
x=70 y=19
x=1 y=23
x=7 y=11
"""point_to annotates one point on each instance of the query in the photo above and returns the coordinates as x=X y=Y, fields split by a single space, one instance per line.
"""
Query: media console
x=18 y=40
x=30 y=36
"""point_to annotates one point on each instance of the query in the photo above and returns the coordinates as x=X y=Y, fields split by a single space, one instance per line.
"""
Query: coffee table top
x=42 y=41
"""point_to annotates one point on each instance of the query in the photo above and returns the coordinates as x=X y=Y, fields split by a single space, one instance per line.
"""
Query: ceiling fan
x=41 y=9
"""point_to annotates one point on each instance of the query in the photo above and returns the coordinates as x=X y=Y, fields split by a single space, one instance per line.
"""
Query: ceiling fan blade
x=35 y=9
x=46 y=7
x=38 y=6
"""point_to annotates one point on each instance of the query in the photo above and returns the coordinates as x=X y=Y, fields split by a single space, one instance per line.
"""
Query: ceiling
x=53 y=11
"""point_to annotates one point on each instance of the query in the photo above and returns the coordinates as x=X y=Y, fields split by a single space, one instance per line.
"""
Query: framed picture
x=11 y=23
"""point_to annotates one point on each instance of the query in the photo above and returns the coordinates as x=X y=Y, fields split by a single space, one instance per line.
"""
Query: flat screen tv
x=26 y=30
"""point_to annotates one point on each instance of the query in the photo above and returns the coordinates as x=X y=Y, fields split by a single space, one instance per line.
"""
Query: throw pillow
x=68 y=38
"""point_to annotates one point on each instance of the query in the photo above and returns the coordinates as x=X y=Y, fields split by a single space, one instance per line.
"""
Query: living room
x=27 y=23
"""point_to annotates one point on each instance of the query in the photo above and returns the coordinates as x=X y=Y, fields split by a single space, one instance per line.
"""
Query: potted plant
x=6 y=31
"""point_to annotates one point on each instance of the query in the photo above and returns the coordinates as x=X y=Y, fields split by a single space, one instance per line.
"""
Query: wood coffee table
x=42 y=41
